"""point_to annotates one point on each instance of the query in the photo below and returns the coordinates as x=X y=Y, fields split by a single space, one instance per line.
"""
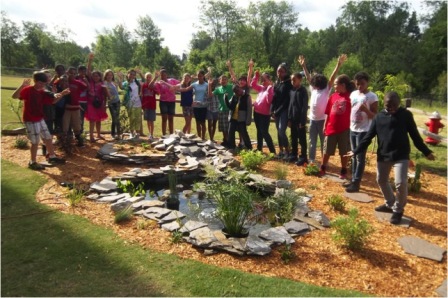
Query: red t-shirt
x=338 y=113
x=34 y=101
x=76 y=88
x=148 y=97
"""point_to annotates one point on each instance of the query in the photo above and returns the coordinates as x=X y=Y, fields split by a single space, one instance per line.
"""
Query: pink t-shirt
x=264 y=99
x=338 y=111
x=164 y=90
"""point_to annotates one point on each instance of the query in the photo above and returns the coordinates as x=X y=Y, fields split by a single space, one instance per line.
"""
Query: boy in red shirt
x=34 y=98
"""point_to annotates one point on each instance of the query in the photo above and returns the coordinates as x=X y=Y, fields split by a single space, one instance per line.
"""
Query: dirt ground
x=382 y=268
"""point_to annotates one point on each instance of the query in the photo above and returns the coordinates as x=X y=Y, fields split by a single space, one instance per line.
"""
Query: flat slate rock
x=308 y=220
x=277 y=235
x=174 y=215
x=258 y=247
x=383 y=216
x=334 y=178
x=442 y=289
x=359 y=197
x=421 y=248
x=171 y=226
x=202 y=237
x=297 y=227
x=192 y=225
x=320 y=217
x=105 y=185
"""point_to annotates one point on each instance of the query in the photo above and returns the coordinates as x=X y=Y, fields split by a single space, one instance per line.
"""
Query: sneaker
x=343 y=174
x=280 y=155
x=384 y=208
x=56 y=160
x=151 y=138
x=35 y=166
x=322 y=171
x=353 y=187
x=302 y=161
x=290 y=158
x=396 y=218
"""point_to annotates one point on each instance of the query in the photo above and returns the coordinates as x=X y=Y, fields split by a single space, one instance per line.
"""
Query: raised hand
x=251 y=63
x=301 y=60
x=26 y=82
x=342 y=59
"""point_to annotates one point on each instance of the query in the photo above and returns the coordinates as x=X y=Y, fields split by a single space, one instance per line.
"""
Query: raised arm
x=26 y=82
x=250 y=71
x=139 y=72
x=232 y=74
x=89 y=64
x=341 y=61
x=120 y=80
x=302 y=62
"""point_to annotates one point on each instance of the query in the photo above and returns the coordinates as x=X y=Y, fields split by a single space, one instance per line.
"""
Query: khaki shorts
x=36 y=130
x=342 y=140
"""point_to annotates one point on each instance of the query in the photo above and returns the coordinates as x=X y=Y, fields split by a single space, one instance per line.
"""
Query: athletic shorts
x=149 y=115
x=212 y=115
x=200 y=114
x=36 y=130
x=167 y=107
x=187 y=111
x=342 y=140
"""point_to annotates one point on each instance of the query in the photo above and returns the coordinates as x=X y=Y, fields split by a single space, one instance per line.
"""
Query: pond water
x=204 y=210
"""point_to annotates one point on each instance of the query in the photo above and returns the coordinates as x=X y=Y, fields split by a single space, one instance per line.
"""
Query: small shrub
x=126 y=186
x=176 y=237
x=336 y=202
x=414 y=184
x=146 y=146
x=21 y=143
x=311 y=169
x=281 y=207
x=351 y=232
x=75 y=196
x=123 y=215
x=287 y=254
x=253 y=160
x=281 y=171
x=142 y=224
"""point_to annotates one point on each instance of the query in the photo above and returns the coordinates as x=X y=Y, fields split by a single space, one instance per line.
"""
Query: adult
x=391 y=127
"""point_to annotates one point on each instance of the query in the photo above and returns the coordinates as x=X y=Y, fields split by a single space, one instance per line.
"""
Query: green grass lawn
x=48 y=253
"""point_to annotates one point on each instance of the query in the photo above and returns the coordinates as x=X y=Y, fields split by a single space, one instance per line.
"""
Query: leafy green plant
x=253 y=160
x=176 y=237
x=127 y=186
x=142 y=224
x=350 y=231
x=311 y=169
x=146 y=146
x=233 y=203
x=123 y=215
x=21 y=143
x=281 y=171
x=280 y=208
x=336 y=202
x=75 y=196
x=287 y=254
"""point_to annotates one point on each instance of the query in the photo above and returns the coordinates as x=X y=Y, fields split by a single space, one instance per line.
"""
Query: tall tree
x=277 y=21
x=114 y=48
x=149 y=42
x=168 y=61
x=39 y=43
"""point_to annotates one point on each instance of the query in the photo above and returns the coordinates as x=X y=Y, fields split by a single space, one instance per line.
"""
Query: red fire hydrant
x=434 y=125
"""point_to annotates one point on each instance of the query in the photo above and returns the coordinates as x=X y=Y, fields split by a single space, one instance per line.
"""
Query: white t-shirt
x=359 y=122
x=318 y=103
x=135 y=101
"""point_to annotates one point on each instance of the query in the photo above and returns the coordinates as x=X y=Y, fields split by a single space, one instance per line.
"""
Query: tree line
x=380 y=37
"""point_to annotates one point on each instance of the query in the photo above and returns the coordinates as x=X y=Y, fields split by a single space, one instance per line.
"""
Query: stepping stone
x=334 y=178
x=382 y=216
x=358 y=196
x=421 y=248
x=442 y=289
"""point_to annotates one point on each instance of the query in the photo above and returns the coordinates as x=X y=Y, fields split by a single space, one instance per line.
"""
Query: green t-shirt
x=220 y=92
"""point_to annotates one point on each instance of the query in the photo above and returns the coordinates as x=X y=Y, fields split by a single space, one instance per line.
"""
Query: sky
x=177 y=19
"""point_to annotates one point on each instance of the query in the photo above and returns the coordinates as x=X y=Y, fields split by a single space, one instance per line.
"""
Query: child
x=34 y=98
x=71 y=119
x=224 y=89
x=240 y=116
x=262 y=108
x=212 y=109
x=132 y=102
x=337 y=124
x=364 y=108
x=82 y=73
x=320 y=92
x=392 y=127
x=149 y=102
x=298 y=107
x=113 y=102
x=186 y=100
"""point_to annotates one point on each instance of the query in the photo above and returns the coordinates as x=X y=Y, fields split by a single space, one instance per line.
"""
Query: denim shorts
x=167 y=107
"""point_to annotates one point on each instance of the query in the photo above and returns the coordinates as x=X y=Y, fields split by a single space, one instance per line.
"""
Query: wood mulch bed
x=382 y=268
